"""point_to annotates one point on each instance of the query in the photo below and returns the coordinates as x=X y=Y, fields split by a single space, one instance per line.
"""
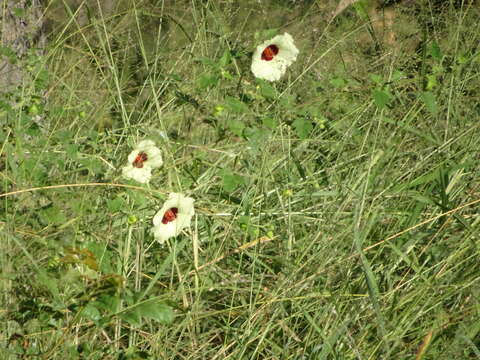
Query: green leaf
x=287 y=101
x=9 y=53
x=361 y=7
x=430 y=101
x=381 y=98
x=236 y=127
x=435 y=51
x=270 y=123
x=108 y=303
x=64 y=136
x=20 y=12
x=91 y=312
x=94 y=165
x=207 y=62
x=175 y=77
x=103 y=255
x=431 y=81
x=207 y=80
x=132 y=316
x=156 y=310
x=302 y=127
x=267 y=90
x=257 y=137
x=115 y=204
x=72 y=151
x=397 y=75
x=248 y=226
x=377 y=79
x=48 y=282
x=52 y=215
x=41 y=79
x=235 y=105
x=139 y=199
x=338 y=83
x=225 y=59
x=231 y=181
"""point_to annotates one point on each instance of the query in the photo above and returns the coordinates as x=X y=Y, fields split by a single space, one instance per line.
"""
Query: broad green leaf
x=52 y=215
x=361 y=7
x=270 y=123
x=397 y=75
x=139 y=199
x=116 y=204
x=235 y=105
x=338 y=82
x=381 y=98
x=231 y=181
x=207 y=80
x=257 y=137
x=302 y=127
x=108 y=303
x=94 y=165
x=49 y=282
x=225 y=59
x=19 y=12
x=91 y=312
x=156 y=310
x=377 y=79
x=132 y=316
x=72 y=151
x=430 y=101
x=236 y=126
x=9 y=53
x=267 y=90
x=431 y=81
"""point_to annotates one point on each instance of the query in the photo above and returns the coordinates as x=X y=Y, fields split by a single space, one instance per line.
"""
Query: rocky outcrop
x=21 y=31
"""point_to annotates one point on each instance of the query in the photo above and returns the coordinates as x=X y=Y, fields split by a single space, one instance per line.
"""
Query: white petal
x=154 y=156
x=274 y=69
x=165 y=231
x=142 y=175
x=183 y=218
x=144 y=145
x=267 y=71
x=154 y=160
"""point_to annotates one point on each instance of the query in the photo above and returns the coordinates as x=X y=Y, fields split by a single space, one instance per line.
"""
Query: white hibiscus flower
x=175 y=215
x=271 y=59
x=145 y=157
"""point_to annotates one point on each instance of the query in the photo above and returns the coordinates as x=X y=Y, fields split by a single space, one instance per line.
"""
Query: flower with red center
x=175 y=215
x=269 y=52
x=145 y=157
x=139 y=160
x=170 y=215
x=271 y=59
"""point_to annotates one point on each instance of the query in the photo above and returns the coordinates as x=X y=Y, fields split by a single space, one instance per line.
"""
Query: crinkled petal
x=154 y=160
x=144 y=145
x=183 y=218
x=142 y=175
x=154 y=157
x=274 y=69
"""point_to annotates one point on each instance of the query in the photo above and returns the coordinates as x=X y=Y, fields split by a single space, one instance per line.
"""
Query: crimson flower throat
x=270 y=52
x=170 y=215
x=139 y=160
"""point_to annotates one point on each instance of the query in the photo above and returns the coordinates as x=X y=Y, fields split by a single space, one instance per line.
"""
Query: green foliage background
x=336 y=210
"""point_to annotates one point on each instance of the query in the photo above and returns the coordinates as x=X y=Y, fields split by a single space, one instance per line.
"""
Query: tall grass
x=336 y=210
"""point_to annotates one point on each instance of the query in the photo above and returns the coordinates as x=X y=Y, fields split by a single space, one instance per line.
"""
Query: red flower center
x=269 y=52
x=138 y=162
x=170 y=215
